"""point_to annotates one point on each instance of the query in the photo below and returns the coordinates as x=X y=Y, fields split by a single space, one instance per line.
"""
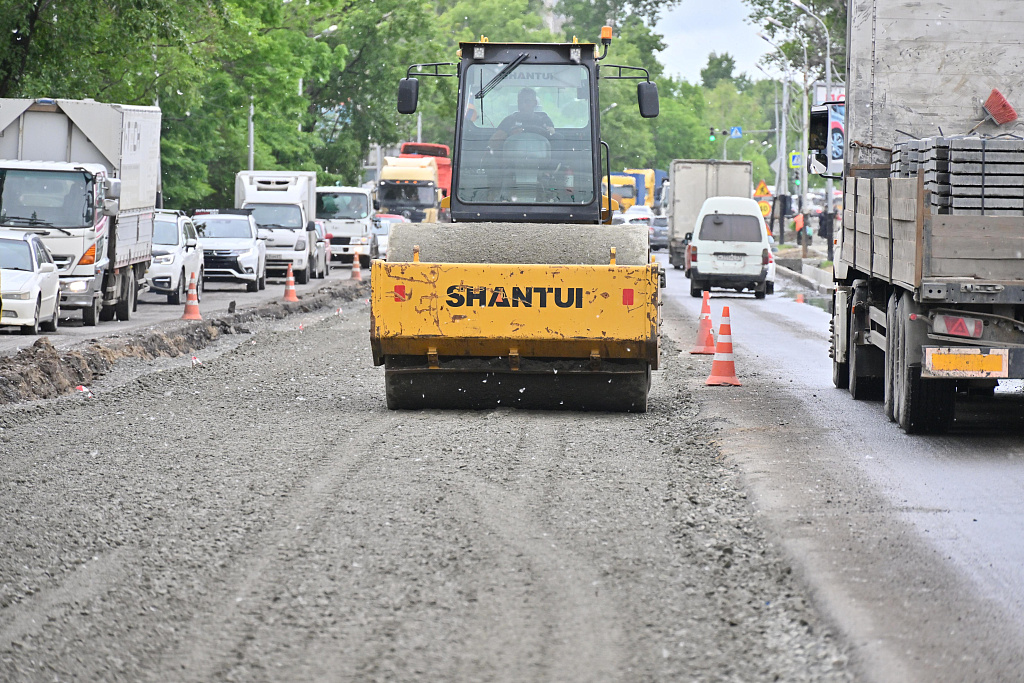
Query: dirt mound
x=41 y=371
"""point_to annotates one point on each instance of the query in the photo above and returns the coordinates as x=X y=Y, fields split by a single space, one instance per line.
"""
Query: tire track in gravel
x=421 y=552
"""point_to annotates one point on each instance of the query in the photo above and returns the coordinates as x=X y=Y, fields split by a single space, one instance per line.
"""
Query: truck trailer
x=85 y=176
x=929 y=282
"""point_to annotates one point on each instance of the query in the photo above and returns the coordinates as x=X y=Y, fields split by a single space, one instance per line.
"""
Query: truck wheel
x=923 y=406
x=91 y=315
x=760 y=290
x=176 y=296
x=106 y=314
x=302 y=277
x=893 y=345
x=126 y=304
x=364 y=261
x=696 y=290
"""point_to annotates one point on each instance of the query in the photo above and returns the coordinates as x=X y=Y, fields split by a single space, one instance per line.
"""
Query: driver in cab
x=526 y=120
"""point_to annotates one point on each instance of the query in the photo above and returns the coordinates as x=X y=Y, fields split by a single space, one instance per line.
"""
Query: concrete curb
x=821 y=284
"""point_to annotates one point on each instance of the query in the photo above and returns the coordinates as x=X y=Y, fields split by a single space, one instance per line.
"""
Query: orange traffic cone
x=289 y=286
x=800 y=298
x=705 y=335
x=192 y=301
x=723 y=370
x=357 y=272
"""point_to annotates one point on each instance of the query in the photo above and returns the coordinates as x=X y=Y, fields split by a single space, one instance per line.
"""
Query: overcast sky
x=696 y=28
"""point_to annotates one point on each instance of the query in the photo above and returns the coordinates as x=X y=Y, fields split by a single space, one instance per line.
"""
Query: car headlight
x=76 y=286
x=361 y=240
x=300 y=245
x=16 y=295
x=164 y=260
x=245 y=252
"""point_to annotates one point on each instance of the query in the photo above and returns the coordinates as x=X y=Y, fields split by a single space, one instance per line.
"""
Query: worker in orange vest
x=798 y=226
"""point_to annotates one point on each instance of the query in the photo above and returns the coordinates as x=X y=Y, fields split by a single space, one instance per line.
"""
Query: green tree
x=799 y=31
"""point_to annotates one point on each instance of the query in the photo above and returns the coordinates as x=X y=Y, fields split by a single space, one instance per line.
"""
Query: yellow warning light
x=606 y=33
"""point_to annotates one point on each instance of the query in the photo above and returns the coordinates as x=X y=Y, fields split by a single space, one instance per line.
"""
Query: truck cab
x=348 y=216
x=282 y=204
x=409 y=187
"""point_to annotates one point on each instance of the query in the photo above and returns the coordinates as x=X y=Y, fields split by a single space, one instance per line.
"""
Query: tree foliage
x=321 y=76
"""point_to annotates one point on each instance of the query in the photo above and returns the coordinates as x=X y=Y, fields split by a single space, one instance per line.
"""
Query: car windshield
x=223 y=228
x=336 y=205
x=730 y=228
x=61 y=199
x=528 y=141
x=165 y=232
x=15 y=255
x=287 y=216
x=624 y=191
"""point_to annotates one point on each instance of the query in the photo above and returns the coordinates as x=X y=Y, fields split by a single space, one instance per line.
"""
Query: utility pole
x=252 y=133
x=803 y=153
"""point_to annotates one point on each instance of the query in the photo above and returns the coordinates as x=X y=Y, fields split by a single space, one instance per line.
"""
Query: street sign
x=795 y=159
x=762 y=190
x=766 y=208
x=736 y=132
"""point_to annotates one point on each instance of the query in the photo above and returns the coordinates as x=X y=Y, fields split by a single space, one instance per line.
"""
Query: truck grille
x=340 y=240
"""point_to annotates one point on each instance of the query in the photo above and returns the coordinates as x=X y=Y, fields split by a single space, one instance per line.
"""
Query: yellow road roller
x=529 y=297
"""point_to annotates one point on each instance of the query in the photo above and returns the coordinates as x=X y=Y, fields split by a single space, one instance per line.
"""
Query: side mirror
x=191 y=242
x=688 y=237
x=111 y=207
x=311 y=227
x=376 y=205
x=408 y=95
x=112 y=188
x=647 y=99
x=47 y=267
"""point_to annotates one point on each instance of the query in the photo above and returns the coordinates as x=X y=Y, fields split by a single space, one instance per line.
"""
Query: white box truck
x=929 y=298
x=348 y=215
x=85 y=176
x=283 y=203
x=691 y=181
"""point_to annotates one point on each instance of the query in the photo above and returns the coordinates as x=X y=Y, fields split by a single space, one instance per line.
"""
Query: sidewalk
x=791 y=266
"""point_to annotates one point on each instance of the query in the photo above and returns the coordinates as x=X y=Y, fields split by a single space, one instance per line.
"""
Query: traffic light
x=711 y=136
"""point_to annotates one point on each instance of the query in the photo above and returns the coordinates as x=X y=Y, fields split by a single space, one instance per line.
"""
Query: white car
x=321 y=253
x=382 y=223
x=730 y=247
x=233 y=251
x=638 y=211
x=29 y=284
x=177 y=256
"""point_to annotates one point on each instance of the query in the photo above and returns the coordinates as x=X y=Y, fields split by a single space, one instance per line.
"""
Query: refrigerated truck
x=691 y=182
x=929 y=300
x=85 y=176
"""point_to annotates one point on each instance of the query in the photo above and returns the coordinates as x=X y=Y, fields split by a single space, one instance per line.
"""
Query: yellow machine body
x=594 y=312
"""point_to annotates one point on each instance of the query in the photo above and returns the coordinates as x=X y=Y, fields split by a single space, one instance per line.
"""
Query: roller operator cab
x=525 y=299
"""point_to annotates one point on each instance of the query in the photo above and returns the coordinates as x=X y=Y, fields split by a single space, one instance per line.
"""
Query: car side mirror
x=191 y=242
x=376 y=205
x=688 y=237
x=311 y=226
x=47 y=267
x=408 y=95
x=647 y=99
x=111 y=207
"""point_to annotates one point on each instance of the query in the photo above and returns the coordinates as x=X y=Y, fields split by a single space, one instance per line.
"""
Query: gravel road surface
x=263 y=517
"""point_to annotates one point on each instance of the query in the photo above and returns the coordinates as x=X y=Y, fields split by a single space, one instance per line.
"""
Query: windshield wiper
x=277 y=226
x=29 y=220
x=502 y=75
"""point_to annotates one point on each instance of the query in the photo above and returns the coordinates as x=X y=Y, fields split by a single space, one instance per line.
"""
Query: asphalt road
x=153 y=309
x=912 y=544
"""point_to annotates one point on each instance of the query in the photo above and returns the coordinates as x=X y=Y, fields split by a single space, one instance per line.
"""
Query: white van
x=730 y=248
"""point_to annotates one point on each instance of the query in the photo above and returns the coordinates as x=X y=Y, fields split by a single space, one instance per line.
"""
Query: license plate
x=729 y=257
x=963 y=362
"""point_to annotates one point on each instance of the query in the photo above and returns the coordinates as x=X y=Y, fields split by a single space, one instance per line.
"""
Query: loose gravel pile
x=263 y=517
